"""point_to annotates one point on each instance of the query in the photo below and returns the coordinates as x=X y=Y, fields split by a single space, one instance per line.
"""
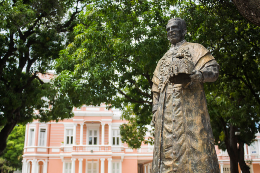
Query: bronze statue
x=183 y=140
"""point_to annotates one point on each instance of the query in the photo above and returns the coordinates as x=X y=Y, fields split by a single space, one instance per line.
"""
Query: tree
x=32 y=34
x=112 y=59
x=117 y=46
x=12 y=156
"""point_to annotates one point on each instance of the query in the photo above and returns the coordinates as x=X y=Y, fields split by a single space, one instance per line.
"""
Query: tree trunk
x=232 y=149
x=249 y=10
x=233 y=163
x=241 y=159
x=5 y=133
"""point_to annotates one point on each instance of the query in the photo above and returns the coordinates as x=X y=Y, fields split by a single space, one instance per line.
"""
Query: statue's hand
x=196 y=76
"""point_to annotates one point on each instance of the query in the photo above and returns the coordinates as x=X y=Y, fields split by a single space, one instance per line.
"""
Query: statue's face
x=174 y=32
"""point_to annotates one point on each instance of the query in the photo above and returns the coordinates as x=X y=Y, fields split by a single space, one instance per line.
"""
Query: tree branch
x=30 y=62
x=147 y=76
x=29 y=31
x=139 y=90
x=39 y=80
x=62 y=28
x=29 y=81
x=249 y=86
x=8 y=54
x=129 y=98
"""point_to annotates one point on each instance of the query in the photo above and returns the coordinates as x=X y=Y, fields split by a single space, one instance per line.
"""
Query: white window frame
x=92 y=127
x=116 y=162
x=68 y=127
x=116 y=136
x=64 y=165
x=97 y=162
x=66 y=137
x=116 y=127
x=254 y=144
x=226 y=167
x=42 y=126
x=93 y=136
x=29 y=137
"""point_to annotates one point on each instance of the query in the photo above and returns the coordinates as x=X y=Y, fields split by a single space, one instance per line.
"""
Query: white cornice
x=94 y=114
x=79 y=120
x=106 y=120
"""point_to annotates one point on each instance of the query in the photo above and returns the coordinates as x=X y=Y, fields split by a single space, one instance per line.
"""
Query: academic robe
x=183 y=140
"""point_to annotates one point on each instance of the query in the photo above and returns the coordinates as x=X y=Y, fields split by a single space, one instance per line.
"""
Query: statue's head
x=176 y=30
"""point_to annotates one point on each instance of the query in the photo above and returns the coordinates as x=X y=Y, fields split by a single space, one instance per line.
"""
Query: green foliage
x=32 y=34
x=113 y=56
x=12 y=156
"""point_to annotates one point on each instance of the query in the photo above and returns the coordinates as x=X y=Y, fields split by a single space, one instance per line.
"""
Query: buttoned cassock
x=183 y=135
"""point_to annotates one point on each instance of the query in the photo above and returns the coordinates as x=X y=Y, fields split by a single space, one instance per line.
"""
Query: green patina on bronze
x=183 y=136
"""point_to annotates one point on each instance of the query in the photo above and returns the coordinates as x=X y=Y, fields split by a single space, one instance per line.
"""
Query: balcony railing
x=145 y=149
x=92 y=148
x=67 y=149
x=117 y=149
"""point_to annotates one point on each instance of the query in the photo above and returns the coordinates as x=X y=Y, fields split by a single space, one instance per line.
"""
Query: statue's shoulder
x=195 y=47
x=196 y=50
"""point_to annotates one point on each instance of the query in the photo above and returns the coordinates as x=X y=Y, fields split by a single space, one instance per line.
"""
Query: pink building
x=87 y=143
x=90 y=143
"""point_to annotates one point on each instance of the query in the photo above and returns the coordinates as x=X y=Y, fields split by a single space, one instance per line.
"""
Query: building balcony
x=92 y=148
x=143 y=149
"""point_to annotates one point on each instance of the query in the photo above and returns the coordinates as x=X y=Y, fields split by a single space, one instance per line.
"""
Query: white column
x=37 y=167
x=80 y=165
x=102 y=165
x=249 y=152
x=110 y=134
x=45 y=169
x=24 y=166
x=63 y=169
x=74 y=134
x=245 y=151
x=73 y=165
x=103 y=134
x=121 y=164
x=109 y=165
x=34 y=165
x=81 y=133
x=149 y=168
x=28 y=167
x=145 y=169
x=26 y=136
x=221 y=167
x=251 y=168
x=258 y=147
